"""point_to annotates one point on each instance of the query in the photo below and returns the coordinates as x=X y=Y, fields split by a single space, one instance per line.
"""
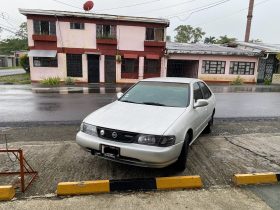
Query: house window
x=42 y=27
x=242 y=68
x=130 y=68
x=44 y=62
x=74 y=65
x=80 y=26
x=151 y=68
x=106 y=32
x=213 y=67
x=155 y=34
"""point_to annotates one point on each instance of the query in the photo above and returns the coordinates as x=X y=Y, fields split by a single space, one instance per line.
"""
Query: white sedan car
x=152 y=124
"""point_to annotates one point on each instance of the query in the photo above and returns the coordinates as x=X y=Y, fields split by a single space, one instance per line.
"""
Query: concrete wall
x=75 y=38
x=40 y=73
x=30 y=32
x=131 y=37
x=220 y=77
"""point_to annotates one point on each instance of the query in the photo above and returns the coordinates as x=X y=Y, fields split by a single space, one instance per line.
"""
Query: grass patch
x=13 y=67
x=237 y=81
x=51 y=81
x=16 y=79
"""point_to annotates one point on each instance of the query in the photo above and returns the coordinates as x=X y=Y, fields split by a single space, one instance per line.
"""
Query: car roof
x=172 y=79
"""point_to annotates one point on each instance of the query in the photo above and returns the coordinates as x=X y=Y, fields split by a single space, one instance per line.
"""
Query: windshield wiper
x=129 y=101
x=153 y=103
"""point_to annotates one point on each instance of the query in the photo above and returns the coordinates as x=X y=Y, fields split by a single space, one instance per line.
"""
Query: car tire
x=208 y=128
x=181 y=163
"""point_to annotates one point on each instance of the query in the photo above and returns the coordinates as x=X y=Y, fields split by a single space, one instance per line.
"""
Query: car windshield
x=158 y=94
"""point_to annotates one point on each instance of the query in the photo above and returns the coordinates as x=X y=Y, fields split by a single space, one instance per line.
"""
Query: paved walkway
x=226 y=198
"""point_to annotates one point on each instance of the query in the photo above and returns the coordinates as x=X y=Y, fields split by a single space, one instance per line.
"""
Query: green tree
x=24 y=62
x=210 y=40
x=16 y=42
x=188 y=34
x=225 y=40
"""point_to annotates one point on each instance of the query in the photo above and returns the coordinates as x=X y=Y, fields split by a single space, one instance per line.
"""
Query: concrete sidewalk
x=223 y=198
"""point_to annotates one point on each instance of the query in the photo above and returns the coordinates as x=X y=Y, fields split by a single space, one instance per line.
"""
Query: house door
x=110 y=69
x=93 y=68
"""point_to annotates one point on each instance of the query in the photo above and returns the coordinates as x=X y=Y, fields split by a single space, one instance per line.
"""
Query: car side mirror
x=200 y=103
x=119 y=95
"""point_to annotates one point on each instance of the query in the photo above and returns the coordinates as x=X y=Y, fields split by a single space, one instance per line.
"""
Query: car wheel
x=208 y=128
x=181 y=163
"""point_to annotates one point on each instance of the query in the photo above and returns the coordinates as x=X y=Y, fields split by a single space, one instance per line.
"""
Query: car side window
x=205 y=90
x=197 y=93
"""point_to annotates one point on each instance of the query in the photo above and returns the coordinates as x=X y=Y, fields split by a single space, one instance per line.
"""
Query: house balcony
x=106 y=40
x=41 y=37
x=154 y=43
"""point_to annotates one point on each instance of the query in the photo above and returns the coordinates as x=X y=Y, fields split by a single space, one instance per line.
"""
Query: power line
x=198 y=9
x=168 y=7
x=69 y=5
x=127 y=6
x=232 y=14
x=6 y=29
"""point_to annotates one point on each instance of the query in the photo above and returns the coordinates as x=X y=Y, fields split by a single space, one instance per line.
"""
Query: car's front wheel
x=181 y=163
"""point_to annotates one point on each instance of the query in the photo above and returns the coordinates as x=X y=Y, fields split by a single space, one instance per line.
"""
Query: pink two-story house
x=93 y=48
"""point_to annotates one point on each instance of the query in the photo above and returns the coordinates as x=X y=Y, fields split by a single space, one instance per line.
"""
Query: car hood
x=137 y=118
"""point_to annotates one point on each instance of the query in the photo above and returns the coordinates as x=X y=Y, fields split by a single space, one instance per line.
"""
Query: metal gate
x=110 y=69
x=266 y=68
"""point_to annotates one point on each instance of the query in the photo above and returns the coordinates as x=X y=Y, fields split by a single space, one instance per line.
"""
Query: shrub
x=267 y=81
x=69 y=81
x=238 y=81
x=51 y=81
x=24 y=62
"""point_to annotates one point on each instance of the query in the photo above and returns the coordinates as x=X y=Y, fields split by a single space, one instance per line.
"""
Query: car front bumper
x=131 y=153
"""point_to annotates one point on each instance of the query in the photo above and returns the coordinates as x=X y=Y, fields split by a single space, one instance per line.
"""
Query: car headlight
x=153 y=140
x=89 y=129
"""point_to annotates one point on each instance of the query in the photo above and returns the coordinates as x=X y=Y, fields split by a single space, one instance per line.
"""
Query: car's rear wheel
x=209 y=126
x=181 y=163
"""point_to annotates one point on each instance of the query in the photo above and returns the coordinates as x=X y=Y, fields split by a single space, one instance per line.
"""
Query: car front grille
x=116 y=135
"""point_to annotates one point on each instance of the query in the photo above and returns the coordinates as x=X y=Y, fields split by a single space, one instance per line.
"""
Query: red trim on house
x=131 y=56
x=151 y=75
x=96 y=21
x=133 y=75
x=154 y=44
x=102 y=49
x=152 y=57
x=107 y=41
x=44 y=45
x=51 y=38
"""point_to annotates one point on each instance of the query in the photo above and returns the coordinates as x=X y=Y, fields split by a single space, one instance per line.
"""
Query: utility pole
x=249 y=20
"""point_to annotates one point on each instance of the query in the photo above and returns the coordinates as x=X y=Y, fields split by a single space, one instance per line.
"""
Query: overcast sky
x=228 y=18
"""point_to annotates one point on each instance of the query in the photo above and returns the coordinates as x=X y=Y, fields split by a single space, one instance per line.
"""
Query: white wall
x=30 y=32
x=131 y=37
x=75 y=38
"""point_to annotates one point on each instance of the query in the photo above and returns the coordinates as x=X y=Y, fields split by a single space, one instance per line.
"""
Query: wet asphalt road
x=26 y=106
x=6 y=72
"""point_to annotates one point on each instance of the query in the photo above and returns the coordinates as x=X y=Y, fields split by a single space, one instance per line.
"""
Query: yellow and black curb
x=106 y=186
x=7 y=193
x=256 y=178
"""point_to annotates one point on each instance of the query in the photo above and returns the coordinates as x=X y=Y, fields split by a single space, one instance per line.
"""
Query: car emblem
x=102 y=132
x=114 y=135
